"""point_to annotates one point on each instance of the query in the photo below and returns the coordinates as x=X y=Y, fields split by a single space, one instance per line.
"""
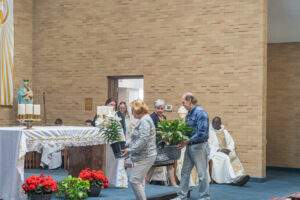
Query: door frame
x=112 y=82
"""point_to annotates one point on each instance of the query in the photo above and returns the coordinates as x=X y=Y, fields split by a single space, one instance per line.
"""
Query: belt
x=192 y=143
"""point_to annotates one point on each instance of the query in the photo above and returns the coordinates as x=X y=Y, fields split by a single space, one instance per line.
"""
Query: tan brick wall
x=22 y=54
x=283 y=105
x=215 y=49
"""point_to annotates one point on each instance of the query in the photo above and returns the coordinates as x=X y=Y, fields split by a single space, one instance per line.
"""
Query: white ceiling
x=283 y=21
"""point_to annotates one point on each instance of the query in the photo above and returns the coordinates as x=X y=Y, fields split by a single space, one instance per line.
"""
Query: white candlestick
x=105 y=110
x=21 y=109
x=29 y=109
x=37 y=109
x=99 y=110
x=110 y=110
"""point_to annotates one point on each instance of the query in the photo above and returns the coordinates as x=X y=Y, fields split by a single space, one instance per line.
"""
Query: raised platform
x=153 y=192
x=279 y=183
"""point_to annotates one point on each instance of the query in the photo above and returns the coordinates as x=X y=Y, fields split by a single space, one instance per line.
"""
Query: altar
x=17 y=141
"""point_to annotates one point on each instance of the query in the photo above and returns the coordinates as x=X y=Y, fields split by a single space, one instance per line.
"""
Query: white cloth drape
x=6 y=52
x=10 y=173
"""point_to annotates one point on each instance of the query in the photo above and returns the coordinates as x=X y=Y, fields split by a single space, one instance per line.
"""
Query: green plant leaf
x=110 y=130
x=73 y=188
x=173 y=131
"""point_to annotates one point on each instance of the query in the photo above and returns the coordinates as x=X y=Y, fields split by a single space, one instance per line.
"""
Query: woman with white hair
x=158 y=174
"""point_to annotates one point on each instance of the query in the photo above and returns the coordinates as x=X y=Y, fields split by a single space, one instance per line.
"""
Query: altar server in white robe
x=226 y=166
x=52 y=157
x=115 y=169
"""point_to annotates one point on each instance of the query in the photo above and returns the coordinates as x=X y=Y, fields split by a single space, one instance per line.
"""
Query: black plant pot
x=94 y=191
x=117 y=148
x=39 y=196
x=162 y=158
x=172 y=151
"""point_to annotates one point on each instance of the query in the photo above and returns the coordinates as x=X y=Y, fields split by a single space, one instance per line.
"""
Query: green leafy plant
x=110 y=130
x=173 y=131
x=73 y=188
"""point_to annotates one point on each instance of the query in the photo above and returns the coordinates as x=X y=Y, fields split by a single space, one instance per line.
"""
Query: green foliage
x=173 y=131
x=96 y=183
x=110 y=130
x=73 y=188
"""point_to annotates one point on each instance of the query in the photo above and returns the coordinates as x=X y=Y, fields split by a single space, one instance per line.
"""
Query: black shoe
x=44 y=167
x=157 y=183
x=242 y=180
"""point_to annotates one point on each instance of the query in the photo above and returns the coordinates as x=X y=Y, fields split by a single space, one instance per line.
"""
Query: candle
x=21 y=109
x=29 y=109
x=110 y=110
x=37 y=109
x=99 y=110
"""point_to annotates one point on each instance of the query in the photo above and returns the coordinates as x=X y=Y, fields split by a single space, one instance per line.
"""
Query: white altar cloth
x=16 y=141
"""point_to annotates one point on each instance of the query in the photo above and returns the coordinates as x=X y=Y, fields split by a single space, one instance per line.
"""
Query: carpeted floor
x=279 y=183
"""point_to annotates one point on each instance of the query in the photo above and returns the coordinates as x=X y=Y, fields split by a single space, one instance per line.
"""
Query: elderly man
x=225 y=165
x=197 y=149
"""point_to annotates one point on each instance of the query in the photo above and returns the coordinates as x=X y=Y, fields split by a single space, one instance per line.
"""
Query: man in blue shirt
x=197 y=149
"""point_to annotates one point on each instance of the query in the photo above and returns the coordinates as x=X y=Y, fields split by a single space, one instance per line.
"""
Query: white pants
x=137 y=174
x=53 y=160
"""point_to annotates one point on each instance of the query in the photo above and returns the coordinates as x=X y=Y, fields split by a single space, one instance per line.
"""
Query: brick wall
x=283 y=105
x=215 y=49
x=22 y=54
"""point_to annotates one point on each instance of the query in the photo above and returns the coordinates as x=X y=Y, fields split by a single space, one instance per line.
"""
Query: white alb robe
x=115 y=169
x=51 y=159
x=225 y=168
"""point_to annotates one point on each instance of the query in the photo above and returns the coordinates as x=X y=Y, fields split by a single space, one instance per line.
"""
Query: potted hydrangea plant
x=72 y=188
x=97 y=180
x=39 y=187
x=172 y=132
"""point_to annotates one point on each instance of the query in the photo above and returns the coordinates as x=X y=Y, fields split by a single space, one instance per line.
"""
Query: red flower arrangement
x=39 y=185
x=95 y=177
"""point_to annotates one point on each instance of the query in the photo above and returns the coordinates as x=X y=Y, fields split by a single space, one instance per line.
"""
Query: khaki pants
x=137 y=174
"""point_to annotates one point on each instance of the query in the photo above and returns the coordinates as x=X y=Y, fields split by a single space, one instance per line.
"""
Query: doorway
x=126 y=88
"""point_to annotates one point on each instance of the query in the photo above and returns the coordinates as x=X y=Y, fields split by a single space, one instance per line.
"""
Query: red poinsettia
x=40 y=185
x=95 y=177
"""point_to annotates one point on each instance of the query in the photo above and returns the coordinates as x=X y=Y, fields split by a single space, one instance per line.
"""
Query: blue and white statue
x=25 y=93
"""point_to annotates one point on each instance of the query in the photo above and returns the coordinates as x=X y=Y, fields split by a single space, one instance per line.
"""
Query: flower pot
x=162 y=159
x=39 y=196
x=117 y=148
x=172 y=152
x=94 y=191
